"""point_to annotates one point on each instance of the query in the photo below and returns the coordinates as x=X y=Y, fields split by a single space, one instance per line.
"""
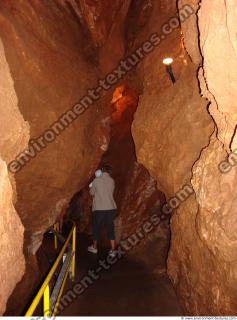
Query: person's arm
x=92 y=188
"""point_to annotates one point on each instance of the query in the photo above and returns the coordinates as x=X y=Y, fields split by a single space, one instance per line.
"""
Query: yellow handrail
x=44 y=290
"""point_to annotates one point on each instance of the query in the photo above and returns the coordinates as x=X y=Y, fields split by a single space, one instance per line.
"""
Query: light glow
x=168 y=61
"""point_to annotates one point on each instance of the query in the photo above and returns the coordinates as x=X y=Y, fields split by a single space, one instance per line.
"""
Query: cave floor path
x=126 y=289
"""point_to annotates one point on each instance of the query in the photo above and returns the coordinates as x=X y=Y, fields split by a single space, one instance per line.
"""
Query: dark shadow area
x=37 y=269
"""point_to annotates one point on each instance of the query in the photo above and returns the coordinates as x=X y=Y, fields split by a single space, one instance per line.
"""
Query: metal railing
x=51 y=301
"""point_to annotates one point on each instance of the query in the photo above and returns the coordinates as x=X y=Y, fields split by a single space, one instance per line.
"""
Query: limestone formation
x=182 y=133
x=14 y=136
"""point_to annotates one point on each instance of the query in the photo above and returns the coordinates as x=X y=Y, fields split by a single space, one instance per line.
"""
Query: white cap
x=98 y=173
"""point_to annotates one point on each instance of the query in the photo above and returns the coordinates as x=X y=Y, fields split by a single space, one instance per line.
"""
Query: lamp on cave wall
x=168 y=62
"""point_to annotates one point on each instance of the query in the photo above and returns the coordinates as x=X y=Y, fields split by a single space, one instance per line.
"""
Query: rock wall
x=212 y=254
x=52 y=67
x=182 y=133
x=105 y=22
x=52 y=64
x=55 y=52
x=14 y=134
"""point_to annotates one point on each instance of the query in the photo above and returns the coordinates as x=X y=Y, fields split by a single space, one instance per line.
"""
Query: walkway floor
x=127 y=289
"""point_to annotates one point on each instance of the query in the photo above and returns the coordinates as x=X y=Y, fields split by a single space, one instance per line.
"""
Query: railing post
x=73 y=253
x=46 y=302
x=55 y=236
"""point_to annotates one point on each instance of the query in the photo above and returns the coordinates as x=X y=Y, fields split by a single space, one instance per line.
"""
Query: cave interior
x=146 y=87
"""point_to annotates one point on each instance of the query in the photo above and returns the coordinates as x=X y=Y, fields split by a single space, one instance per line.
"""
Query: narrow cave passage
x=147 y=87
x=135 y=282
x=119 y=286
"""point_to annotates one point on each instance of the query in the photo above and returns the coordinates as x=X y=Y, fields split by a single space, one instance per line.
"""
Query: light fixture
x=168 y=62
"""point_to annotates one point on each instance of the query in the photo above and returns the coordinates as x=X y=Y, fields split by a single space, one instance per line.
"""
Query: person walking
x=103 y=209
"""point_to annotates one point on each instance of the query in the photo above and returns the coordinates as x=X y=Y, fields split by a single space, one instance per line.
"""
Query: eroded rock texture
x=51 y=74
x=52 y=64
x=56 y=50
x=105 y=22
x=11 y=231
x=213 y=233
x=179 y=142
x=13 y=138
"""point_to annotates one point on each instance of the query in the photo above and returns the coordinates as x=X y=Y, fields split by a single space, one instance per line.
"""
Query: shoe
x=112 y=253
x=92 y=249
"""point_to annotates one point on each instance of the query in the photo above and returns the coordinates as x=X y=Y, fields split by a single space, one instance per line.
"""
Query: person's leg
x=110 y=228
x=95 y=231
x=97 y=218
